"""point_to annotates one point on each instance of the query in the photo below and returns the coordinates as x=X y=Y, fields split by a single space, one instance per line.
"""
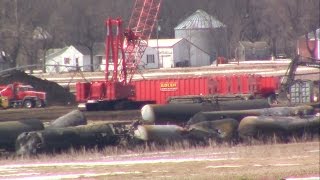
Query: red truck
x=21 y=95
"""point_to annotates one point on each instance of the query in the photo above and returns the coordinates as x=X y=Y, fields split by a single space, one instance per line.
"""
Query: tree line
x=28 y=28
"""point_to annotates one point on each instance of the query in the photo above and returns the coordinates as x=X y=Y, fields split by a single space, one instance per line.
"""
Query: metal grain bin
x=206 y=32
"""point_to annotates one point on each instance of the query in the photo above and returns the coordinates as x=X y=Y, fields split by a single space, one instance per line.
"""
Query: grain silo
x=205 y=32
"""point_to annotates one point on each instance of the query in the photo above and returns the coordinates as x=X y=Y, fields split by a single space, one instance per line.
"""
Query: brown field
x=272 y=161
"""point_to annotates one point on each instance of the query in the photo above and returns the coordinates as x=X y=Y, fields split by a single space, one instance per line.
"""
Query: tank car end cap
x=147 y=114
x=141 y=133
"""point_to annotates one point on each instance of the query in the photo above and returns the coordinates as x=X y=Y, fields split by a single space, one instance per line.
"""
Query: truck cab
x=21 y=95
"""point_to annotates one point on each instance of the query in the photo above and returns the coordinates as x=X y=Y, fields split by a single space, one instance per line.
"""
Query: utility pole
x=158 y=29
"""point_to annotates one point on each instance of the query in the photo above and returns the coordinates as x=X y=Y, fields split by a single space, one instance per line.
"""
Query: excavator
x=295 y=91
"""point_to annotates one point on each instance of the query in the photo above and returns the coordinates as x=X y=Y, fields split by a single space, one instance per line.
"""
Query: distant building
x=205 y=32
x=248 y=51
x=40 y=34
x=173 y=53
x=4 y=61
x=71 y=58
x=314 y=43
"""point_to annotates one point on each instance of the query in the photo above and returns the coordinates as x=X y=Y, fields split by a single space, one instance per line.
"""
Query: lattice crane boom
x=144 y=16
x=132 y=42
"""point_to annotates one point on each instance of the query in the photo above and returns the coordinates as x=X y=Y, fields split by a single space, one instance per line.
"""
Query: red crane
x=124 y=49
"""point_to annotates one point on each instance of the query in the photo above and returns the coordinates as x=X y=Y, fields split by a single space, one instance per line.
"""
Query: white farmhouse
x=168 y=53
x=71 y=58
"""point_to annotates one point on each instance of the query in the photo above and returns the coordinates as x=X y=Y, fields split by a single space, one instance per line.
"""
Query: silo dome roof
x=200 y=20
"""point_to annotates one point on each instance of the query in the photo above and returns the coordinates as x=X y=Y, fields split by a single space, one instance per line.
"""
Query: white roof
x=200 y=20
x=163 y=42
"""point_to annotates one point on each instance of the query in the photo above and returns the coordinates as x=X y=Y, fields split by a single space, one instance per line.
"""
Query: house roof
x=163 y=42
x=256 y=45
x=55 y=52
x=82 y=49
x=200 y=20
x=99 y=49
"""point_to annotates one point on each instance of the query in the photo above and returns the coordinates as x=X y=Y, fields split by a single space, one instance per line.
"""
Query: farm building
x=70 y=57
x=205 y=32
x=314 y=44
x=4 y=62
x=248 y=51
x=168 y=53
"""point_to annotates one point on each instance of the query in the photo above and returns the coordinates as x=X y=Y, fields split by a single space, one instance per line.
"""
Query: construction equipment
x=21 y=95
x=124 y=49
x=288 y=88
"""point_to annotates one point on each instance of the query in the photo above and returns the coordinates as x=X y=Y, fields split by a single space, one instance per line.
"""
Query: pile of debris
x=56 y=94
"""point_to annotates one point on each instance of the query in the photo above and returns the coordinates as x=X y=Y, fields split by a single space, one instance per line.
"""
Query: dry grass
x=268 y=161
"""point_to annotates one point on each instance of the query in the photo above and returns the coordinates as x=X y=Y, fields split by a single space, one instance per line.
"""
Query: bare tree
x=10 y=30
x=18 y=22
x=81 y=22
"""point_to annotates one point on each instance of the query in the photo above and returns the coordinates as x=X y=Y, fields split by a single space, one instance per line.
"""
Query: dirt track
x=51 y=113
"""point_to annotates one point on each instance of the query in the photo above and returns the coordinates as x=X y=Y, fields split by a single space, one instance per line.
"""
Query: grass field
x=271 y=161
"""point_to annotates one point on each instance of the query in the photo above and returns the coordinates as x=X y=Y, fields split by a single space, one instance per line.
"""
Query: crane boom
x=126 y=48
x=144 y=16
x=141 y=25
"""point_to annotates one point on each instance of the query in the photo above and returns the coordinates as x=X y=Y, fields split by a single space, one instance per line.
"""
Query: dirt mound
x=56 y=94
